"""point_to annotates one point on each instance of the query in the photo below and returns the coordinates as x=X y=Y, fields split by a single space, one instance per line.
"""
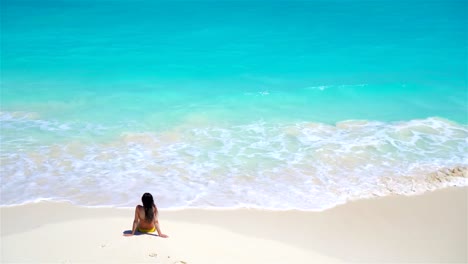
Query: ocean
x=225 y=104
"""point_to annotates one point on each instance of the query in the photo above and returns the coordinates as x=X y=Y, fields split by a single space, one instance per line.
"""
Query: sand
x=428 y=228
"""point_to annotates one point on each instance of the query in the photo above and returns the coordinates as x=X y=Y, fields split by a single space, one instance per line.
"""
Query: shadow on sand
x=128 y=232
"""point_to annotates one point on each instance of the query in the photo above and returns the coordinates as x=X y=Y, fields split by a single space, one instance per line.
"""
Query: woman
x=146 y=217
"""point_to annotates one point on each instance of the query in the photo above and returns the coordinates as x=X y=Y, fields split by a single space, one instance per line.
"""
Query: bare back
x=143 y=223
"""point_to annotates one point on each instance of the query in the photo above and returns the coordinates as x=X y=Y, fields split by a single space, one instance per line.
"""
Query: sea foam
x=308 y=166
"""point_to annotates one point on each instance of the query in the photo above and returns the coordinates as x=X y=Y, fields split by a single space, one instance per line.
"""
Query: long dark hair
x=148 y=205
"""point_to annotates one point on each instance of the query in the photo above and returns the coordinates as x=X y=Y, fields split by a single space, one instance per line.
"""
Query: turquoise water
x=271 y=104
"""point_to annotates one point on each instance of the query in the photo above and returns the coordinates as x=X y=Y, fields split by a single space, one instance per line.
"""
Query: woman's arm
x=136 y=220
x=156 y=224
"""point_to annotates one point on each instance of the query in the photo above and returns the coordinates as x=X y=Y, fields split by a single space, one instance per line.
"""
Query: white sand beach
x=428 y=228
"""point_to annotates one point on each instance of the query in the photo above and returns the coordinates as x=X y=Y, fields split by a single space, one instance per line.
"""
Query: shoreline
x=215 y=208
x=431 y=227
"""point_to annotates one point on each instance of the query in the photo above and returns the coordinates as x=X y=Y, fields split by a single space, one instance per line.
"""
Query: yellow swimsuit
x=146 y=230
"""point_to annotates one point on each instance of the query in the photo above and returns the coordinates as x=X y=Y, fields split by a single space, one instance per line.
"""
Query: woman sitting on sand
x=146 y=217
